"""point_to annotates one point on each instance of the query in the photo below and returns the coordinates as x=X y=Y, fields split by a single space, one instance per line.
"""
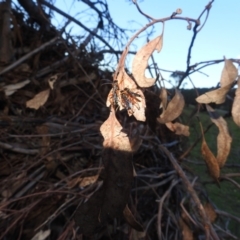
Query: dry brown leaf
x=38 y=100
x=236 y=105
x=211 y=161
x=186 y=231
x=140 y=61
x=224 y=139
x=210 y=211
x=113 y=135
x=174 y=108
x=178 y=128
x=82 y=181
x=217 y=96
x=163 y=97
x=229 y=73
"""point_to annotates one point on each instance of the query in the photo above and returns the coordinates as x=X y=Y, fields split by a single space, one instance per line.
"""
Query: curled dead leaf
x=38 y=100
x=236 y=105
x=174 y=108
x=229 y=73
x=140 y=61
x=178 y=128
x=217 y=96
x=211 y=161
x=224 y=139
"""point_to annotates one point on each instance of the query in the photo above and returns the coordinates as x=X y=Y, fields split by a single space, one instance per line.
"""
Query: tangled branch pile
x=66 y=172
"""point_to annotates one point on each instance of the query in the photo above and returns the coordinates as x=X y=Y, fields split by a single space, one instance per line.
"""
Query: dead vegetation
x=81 y=159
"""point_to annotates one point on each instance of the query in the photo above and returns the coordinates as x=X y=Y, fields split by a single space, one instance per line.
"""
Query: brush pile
x=53 y=96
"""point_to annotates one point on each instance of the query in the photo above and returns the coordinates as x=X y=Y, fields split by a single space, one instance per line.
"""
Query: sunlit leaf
x=236 y=106
x=229 y=73
x=211 y=161
x=38 y=100
x=217 y=96
x=178 y=128
x=224 y=139
x=174 y=108
x=113 y=135
x=140 y=61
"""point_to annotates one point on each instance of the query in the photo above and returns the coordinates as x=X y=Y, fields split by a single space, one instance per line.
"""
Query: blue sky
x=219 y=37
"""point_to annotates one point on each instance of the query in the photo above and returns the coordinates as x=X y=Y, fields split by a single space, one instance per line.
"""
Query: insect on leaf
x=224 y=139
x=236 y=105
x=229 y=73
x=38 y=100
x=174 y=108
x=140 y=61
x=211 y=161
x=217 y=96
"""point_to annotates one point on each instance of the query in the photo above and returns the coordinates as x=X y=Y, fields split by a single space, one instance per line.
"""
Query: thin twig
x=208 y=229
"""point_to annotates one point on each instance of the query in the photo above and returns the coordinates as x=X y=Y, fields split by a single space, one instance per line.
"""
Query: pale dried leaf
x=125 y=81
x=140 y=61
x=224 y=139
x=229 y=73
x=42 y=235
x=174 y=108
x=178 y=128
x=88 y=180
x=236 y=105
x=210 y=211
x=211 y=161
x=12 y=88
x=38 y=100
x=113 y=135
x=217 y=96
x=163 y=97
x=82 y=181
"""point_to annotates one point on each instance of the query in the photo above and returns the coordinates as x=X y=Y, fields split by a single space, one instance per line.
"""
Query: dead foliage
x=82 y=159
